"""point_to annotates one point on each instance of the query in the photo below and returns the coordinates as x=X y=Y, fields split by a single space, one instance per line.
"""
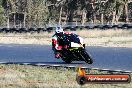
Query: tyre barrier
x=73 y=28
x=67 y=66
x=49 y=29
x=22 y=30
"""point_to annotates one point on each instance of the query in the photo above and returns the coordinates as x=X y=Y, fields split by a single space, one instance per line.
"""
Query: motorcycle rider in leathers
x=57 y=41
x=62 y=41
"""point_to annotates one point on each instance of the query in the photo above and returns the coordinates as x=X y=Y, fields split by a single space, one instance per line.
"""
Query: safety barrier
x=69 y=27
x=66 y=66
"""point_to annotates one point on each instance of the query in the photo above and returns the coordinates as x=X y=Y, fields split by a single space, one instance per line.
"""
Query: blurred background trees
x=34 y=13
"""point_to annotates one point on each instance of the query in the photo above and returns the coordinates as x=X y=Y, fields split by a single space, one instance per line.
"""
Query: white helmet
x=59 y=29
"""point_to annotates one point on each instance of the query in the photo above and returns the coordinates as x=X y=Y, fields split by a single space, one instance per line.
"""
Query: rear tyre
x=66 y=56
x=66 y=60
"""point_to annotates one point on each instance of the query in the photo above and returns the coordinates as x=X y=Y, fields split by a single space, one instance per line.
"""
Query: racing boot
x=57 y=55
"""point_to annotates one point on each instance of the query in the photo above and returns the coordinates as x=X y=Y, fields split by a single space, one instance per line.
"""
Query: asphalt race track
x=104 y=57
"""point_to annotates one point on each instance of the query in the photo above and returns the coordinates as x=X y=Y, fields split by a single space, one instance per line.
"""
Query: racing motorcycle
x=74 y=49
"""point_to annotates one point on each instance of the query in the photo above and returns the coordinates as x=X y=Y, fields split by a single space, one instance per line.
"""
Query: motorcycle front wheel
x=86 y=57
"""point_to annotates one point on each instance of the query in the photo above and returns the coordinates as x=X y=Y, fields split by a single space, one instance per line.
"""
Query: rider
x=57 y=40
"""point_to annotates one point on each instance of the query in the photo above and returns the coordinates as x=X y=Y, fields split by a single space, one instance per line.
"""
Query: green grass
x=27 y=76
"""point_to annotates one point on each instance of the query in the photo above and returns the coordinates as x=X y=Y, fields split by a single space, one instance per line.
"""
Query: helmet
x=59 y=29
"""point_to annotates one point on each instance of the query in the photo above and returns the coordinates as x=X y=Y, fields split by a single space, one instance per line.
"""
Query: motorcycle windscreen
x=72 y=40
x=75 y=44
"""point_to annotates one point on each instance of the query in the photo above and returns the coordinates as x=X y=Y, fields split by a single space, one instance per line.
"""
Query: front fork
x=84 y=46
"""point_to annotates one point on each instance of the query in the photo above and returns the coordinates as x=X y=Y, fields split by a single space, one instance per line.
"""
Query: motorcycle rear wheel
x=66 y=60
x=66 y=57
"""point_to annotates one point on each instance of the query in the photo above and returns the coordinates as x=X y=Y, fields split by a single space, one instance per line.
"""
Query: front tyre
x=89 y=61
x=86 y=57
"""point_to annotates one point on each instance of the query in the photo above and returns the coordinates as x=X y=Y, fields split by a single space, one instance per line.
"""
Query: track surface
x=104 y=57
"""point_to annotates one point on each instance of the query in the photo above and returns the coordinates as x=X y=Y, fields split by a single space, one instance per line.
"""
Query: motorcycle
x=74 y=49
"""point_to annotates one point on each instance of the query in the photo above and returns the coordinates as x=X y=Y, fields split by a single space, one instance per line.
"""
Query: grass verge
x=27 y=76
